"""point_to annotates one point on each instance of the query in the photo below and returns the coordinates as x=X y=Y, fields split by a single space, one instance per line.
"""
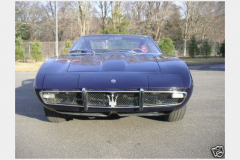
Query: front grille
x=123 y=99
x=97 y=99
x=68 y=98
x=128 y=99
x=156 y=98
x=101 y=99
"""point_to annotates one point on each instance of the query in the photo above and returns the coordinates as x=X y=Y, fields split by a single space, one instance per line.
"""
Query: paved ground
x=130 y=137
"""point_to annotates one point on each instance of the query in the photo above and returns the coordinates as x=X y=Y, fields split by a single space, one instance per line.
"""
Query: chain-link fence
x=179 y=48
x=48 y=48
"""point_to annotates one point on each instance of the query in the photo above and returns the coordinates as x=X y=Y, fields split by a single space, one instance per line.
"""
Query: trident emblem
x=111 y=100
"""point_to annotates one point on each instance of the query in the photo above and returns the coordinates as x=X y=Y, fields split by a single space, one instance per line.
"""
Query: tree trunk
x=184 y=47
x=158 y=30
x=80 y=17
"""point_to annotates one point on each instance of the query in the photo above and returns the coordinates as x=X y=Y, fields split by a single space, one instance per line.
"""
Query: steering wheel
x=138 y=49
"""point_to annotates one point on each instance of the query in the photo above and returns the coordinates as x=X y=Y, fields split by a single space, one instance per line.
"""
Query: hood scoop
x=114 y=62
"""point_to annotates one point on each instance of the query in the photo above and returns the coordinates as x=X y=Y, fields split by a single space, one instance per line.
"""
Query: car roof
x=134 y=35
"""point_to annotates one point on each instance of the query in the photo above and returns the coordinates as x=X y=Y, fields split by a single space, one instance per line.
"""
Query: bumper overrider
x=102 y=103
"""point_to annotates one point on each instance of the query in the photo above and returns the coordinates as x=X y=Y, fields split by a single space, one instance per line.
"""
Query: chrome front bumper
x=86 y=106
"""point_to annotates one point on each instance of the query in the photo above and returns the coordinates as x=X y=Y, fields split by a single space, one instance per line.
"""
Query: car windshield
x=116 y=43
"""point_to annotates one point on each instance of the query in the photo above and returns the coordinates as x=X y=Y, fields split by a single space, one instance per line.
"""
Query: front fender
x=174 y=65
x=56 y=65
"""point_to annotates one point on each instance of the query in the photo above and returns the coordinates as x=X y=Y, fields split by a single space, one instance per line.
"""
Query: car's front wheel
x=176 y=115
x=54 y=116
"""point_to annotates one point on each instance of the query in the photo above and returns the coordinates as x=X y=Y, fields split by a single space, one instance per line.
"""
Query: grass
x=31 y=66
x=212 y=60
x=28 y=66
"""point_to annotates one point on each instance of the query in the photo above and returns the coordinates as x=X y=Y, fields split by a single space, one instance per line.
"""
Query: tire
x=54 y=116
x=176 y=115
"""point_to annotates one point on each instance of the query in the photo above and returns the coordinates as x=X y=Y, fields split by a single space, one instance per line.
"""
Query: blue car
x=114 y=74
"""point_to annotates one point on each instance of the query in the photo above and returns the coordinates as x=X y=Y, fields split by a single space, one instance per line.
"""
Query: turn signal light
x=177 y=95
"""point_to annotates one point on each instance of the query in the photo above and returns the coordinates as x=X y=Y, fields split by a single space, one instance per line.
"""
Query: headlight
x=48 y=95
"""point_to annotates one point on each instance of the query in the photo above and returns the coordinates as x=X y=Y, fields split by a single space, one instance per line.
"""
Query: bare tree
x=83 y=17
x=116 y=12
x=102 y=9
x=160 y=11
x=199 y=19
x=158 y=19
x=29 y=14
x=188 y=11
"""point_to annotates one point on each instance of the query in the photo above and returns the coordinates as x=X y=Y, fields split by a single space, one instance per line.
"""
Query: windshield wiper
x=106 y=50
x=80 y=51
x=133 y=52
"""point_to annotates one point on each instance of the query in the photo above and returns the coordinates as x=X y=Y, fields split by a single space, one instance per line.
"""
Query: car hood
x=114 y=62
x=98 y=71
